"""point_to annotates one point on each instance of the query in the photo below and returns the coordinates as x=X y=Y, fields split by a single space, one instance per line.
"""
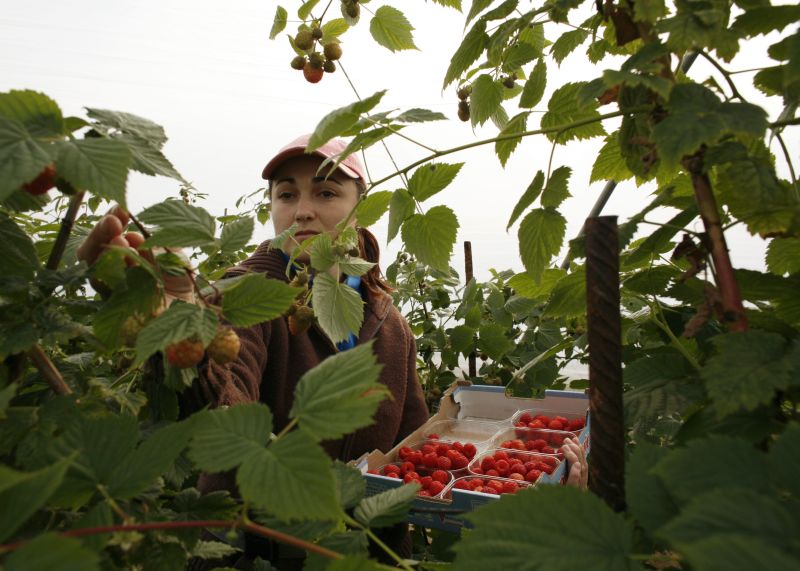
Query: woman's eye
x=325 y=193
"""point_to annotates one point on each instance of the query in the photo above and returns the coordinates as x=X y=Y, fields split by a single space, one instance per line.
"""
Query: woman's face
x=317 y=204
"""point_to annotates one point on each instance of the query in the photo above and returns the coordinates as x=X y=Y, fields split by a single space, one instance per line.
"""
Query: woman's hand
x=577 y=465
x=109 y=231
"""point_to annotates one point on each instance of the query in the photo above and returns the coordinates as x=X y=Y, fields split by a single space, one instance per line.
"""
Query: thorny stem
x=64 y=231
x=48 y=370
x=658 y=319
x=245 y=525
x=399 y=560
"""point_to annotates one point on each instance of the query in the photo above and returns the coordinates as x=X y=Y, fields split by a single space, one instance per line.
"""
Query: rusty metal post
x=607 y=467
x=473 y=370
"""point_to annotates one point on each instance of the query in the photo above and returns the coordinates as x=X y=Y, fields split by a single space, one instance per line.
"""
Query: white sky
x=228 y=100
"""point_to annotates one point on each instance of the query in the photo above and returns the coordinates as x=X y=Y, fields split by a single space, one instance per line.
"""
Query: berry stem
x=64 y=231
x=287 y=428
x=399 y=560
x=48 y=370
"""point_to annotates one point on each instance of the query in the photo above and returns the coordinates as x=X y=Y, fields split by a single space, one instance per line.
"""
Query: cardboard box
x=488 y=412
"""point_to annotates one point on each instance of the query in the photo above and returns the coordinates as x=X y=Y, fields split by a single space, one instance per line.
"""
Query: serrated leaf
x=652 y=280
x=430 y=237
x=647 y=498
x=137 y=294
x=758 y=20
x=417 y=115
x=432 y=178
x=236 y=235
x=527 y=287
x=147 y=158
x=471 y=48
x=505 y=147
x=568 y=298
x=21 y=157
x=567 y=43
x=322 y=255
x=278 y=22
x=212 y=550
x=706 y=464
x=649 y=10
x=338 y=307
x=461 y=338
x=305 y=8
x=519 y=55
x=129 y=123
x=610 y=164
x=332 y=29
x=255 y=299
x=722 y=553
x=19 y=254
x=21 y=500
x=339 y=395
x=339 y=120
x=178 y=224
x=783 y=256
x=350 y=484
x=493 y=341
x=784 y=460
x=373 y=207
x=600 y=539
x=391 y=29
x=486 y=97
x=563 y=109
x=291 y=479
x=53 y=551
x=386 y=508
x=355 y=266
x=224 y=438
x=528 y=197
x=660 y=240
x=746 y=370
x=401 y=206
x=556 y=191
x=534 y=87
x=40 y=115
x=541 y=234
x=180 y=321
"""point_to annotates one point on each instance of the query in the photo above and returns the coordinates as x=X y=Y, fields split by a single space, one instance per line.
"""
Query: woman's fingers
x=578 y=474
x=105 y=231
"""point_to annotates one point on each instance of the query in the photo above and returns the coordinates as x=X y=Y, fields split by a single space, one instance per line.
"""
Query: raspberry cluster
x=432 y=482
x=527 y=419
x=439 y=455
x=514 y=465
x=313 y=63
x=488 y=485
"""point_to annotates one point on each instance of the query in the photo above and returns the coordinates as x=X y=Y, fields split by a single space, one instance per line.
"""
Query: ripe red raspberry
x=416 y=458
x=539 y=444
x=577 y=424
x=525 y=417
x=433 y=436
x=441 y=449
x=487 y=463
x=496 y=484
x=548 y=450
x=312 y=74
x=459 y=462
x=556 y=440
x=509 y=488
x=516 y=476
x=444 y=462
x=392 y=475
x=562 y=419
x=373 y=472
x=440 y=476
x=428 y=449
x=435 y=488
x=479 y=489
x=391 y=469
x=492 y=472
x=431 y=460
x=411 y=477
x=424 y=493
x=501 y=466
x=224 y=348
x=185 y=354
x=537 y=424
x=470 y=450
x=490 y=490
x=555 y=425
x=458 y=446
x=404 y=452
x=462 y=484
x=542 y=418
x=477 y=470
x=517 y=467
x=500 y=455
x=550 y=461
x=533 y=475
x=426 y=481
x=406 y=467
x=43 y=182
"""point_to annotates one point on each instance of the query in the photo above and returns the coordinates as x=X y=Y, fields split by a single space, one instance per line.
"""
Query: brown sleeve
x=415 y=411
x=237 y=382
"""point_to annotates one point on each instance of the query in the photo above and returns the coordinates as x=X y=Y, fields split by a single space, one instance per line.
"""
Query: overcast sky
x=228 y=100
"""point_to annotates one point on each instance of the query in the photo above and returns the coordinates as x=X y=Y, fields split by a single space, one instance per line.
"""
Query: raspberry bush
x=98 y=472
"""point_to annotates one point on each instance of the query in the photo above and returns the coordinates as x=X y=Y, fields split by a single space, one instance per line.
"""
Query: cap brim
x=291 y=153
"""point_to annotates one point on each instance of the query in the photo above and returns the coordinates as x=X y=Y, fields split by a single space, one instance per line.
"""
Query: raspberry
x=224 y=348
x=312 y=74
x=130 y=329
x=431 y=460
x=492 y=473
x=426 y=481
x=459 y=462
x=548 y=450
x=576 y=424
x=185 y=354
x=477 y=470
x=496 y=484
x=500 y=455
x=516 y=476
x=304 y=40
x=406 y=467
x=470 y=450
x=509 y=487
x=424 y=493
x=391 y=469
x=555 y=425
x=300 y=320
x=462 y=484
x=428 y=449
x=525 y=417
x=479 y=489
x=411 y=477
x=298 y=62
x=509 y=82
x=316 y=33
x=501 y=466
x=440 y=476
x=539 y=444
x=404 y=452
x=328 y=66
x=444 y=462
x=457 y=446
x=487 y=463
x=433 y=436
x=463 y=111
x=332 y=51
x=490 y=490
x=537 y=424
x=43 y=182
x=441 y=449
x=392 y=475
x=435 y=488
x=464 y=92
x=544 y=419
x=416 y=457
x=532 y=475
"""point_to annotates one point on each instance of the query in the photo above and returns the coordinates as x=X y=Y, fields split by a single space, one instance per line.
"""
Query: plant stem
x=788 y=163
x=725 y=74
x=287 y=428
x=709 y=212
x=219 y=524
x=784 y=122
x=659 y=320
x=399 y=560
x=48 y=370
x=64 y=231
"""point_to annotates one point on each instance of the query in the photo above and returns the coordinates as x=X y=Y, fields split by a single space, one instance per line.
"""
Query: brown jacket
x=272 y=360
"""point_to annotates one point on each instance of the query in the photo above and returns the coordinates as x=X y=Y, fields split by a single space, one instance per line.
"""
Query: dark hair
x=373 y=280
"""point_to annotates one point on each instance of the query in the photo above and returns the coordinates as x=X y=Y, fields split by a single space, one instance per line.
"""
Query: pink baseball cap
x=351 y=165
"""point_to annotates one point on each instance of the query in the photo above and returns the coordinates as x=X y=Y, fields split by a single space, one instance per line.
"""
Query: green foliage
x=391 y=29
x=541 y=233
x=338 y=307
x=255 y=299
x=431 y=236
x=51 y=551
x=386 y=508
x=432 y=178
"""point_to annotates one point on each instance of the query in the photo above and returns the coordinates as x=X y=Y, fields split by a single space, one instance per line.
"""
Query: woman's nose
x=305 y=210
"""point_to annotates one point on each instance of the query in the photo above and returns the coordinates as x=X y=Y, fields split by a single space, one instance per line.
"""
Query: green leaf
x=354 y=563
x=563 y=109
x=598 y=540
x=322 y=255
x=100 y=165
x=224 y=438
x=541 y=234
x=652 y=280
x=649 y=10
x=373 y=207
x=431 y=236
x=526 y=286
x=477 y=7
x=401 y=206
x=506 y=147
x=355 y=266
x=567 y=43
x=647 y=498
x=53 y=551
x=784 y=460
x=610 y=164
x=332 y=29
x=656 y=367
x=783 y=256
x=340 y=120
x=147 y=158
x=305 y=9
x=746 y=370
x=765 y=19
x=470 y=50
x=150 y=460
x=486 y=97
x=19 y=254
x=723 y=553
x=291 y=479
x=391 y=29
x=707 y=464
x=339 y=395
x=568 y=298
x=461 y=338
x=180 y=321
x=21 y=157
x=256 y=299
x=350 y=484
x=41 y=115
x=178 y=224
x=534 y=87
x=432 y=178
x=556 y=190
x=278 y=22
x=493 y=341
x=417 y=115
x=338 y=307
x=660 y=240
x=528 y=197
x=386 y=508
x=236 y=235
x=137 y=294
x=130 y=124
x=21 y=500
x=519 y=55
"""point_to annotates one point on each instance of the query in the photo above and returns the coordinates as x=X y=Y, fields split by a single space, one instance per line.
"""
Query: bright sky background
x=228 y=100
